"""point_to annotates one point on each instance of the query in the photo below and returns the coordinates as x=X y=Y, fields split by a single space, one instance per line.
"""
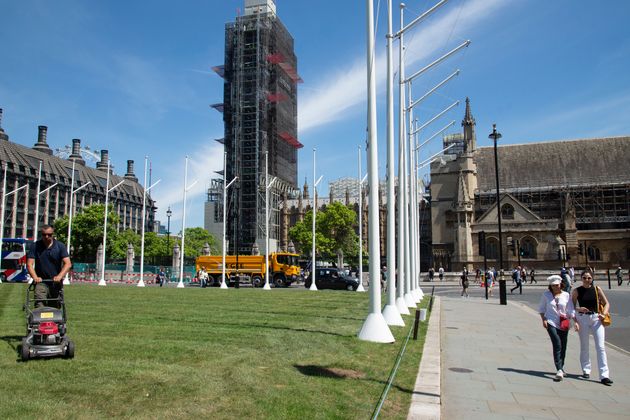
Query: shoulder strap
x=597 y=297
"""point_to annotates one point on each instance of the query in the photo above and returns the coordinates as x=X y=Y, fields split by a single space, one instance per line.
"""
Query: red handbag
x=564 y=323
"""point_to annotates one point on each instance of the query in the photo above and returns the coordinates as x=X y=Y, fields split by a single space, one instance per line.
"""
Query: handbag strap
x=597 y=298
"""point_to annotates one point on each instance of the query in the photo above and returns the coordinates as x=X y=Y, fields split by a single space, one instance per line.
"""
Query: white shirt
x=552 y=307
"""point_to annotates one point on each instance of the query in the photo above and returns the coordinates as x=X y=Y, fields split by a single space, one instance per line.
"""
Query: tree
x=334 y=233
x=196 y=239
x=87 y=231
x=119 y=244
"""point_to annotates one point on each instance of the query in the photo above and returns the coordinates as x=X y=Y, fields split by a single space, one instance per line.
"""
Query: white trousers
x=591 y=324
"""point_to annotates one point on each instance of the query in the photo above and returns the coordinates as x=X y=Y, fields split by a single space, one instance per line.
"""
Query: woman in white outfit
x=590 y=322
x=556 y=309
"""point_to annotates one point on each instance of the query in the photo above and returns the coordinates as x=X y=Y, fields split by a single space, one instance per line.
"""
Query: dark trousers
x=45 y=291
x=519 y=284
x=559 y=344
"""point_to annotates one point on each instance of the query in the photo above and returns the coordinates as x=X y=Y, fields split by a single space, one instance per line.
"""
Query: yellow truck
x=283 y=269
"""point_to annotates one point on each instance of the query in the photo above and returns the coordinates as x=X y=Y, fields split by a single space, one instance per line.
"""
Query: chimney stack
x=3 y=135
x=41 y=144
x=130 y=175
x=76 y=152
x=104 y=160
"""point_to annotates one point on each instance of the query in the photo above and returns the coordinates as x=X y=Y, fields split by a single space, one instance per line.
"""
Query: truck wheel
x=25 y=351
x=257 y=281
x=278 y=282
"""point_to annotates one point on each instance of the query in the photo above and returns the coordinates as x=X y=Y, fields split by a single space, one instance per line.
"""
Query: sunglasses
x=48 y=235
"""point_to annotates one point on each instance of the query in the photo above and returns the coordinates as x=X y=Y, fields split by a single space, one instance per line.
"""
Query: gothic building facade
x=562 y=203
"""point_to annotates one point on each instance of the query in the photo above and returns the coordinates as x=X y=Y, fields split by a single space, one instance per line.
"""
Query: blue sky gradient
x=136 y=79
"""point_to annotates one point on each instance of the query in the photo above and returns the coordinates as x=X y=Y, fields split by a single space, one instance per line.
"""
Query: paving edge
x=426 y=397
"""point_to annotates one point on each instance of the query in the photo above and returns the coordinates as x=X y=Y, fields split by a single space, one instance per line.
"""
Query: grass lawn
x=206 y=353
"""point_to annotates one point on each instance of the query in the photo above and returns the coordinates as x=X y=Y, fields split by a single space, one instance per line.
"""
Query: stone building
x=562 y=202
x=22 y=165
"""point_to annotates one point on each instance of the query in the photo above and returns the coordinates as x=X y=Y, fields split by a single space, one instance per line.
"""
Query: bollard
x=608 y=271
x=415 y=325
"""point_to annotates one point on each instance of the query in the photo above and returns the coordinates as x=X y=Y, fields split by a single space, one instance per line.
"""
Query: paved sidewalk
x=496 y=363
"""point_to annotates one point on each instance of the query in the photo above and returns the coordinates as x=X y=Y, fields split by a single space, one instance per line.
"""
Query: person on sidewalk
x=516 y=276
x=585 y=301
x=532 y=277
x=618 y=274
x=490 y=280
x=464 y=282
x=556 y=309
x=441 y=273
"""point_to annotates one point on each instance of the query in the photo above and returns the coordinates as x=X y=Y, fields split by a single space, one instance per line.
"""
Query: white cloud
x=345 y=90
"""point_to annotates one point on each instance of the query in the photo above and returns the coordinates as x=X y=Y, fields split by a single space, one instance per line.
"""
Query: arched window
x=507 y=212
x=492 y=249
x=594 y=253
x=528 y=248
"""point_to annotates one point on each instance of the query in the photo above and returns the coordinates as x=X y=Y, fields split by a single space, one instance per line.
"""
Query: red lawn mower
x=45 y=326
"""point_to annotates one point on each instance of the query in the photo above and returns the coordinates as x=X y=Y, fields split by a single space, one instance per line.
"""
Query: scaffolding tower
x=260 y=115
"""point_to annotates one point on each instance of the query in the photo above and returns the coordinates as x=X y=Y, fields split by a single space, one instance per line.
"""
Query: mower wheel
x=70 y=350
x=25 y=351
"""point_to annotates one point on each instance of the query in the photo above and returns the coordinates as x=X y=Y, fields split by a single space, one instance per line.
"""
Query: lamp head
x=169 y=213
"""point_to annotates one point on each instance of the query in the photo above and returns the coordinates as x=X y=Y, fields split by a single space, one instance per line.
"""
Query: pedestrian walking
x=556 y=309
x=490 y=281
x=516 y=276
x=618 y=274
x=566 y=280
x=48 y=259
x=441 y=273
x=478 y=276
x=532 y=277
x=464 y=282
x=585 y=299
x=431 y=273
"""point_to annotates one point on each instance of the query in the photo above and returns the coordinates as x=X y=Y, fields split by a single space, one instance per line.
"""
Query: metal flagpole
x=225 y=187
x=374 y=328
x=390 y=311
x=107 y=191
x=144 y=217
x=360 y=186
x=180 y=285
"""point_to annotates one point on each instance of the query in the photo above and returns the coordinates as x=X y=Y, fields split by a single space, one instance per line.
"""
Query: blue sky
x=137 y=80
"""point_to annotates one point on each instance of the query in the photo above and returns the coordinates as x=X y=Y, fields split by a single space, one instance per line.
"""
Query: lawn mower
x=45 y=326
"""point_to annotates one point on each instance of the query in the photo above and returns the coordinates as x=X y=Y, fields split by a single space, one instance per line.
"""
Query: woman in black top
x=585 y=301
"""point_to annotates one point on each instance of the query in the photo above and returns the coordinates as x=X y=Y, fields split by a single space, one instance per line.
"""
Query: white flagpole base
x=266 y=286
x=360 y=288
x=223 y=285
x=66 y=279
x=141 y=282
x=101 y=282
x=409 y=300
x=180 y=285
x=402 y=306
x=313 y=287
x=392 y=316
x=375 y=329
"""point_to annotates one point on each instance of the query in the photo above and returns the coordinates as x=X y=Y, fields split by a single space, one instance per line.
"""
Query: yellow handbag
x=600 y=310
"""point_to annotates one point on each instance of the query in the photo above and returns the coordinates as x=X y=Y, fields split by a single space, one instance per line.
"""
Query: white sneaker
x=559 y=375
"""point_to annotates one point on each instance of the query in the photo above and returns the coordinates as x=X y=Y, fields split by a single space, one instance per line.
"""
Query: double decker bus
x=13 y=264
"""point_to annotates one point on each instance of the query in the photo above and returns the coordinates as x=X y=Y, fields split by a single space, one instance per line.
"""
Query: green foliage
x=196 y=238
x=119 y=244
x=87 y=231
x=334 y=232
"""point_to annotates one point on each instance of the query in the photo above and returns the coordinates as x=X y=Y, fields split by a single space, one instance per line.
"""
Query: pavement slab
x=496 y=363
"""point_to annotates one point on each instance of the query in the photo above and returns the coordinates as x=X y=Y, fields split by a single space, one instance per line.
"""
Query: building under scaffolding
x=562 y=202
x=260 y=115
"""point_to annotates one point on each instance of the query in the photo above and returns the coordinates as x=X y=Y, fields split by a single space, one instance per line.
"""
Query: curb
x=426 y=397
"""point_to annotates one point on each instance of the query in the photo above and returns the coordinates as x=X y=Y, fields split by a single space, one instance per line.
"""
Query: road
x=617 y=334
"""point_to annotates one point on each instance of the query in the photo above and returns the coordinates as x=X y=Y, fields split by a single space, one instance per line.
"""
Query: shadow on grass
x=537 y=373
x=277 y=327
x=12 y=340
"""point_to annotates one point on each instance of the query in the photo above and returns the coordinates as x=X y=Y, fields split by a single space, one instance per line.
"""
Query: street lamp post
x=495 y=135
x=187 y=187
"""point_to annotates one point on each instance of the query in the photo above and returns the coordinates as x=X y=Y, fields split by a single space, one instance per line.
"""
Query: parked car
x=332 y=278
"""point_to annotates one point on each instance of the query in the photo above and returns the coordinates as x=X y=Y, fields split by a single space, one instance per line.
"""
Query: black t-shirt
x=48 y=261
x=586 y=298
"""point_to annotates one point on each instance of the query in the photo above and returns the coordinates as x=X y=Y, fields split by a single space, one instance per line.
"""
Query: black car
x=332 y=278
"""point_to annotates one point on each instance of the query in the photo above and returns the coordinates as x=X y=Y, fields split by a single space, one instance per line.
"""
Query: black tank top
x=586 y=298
